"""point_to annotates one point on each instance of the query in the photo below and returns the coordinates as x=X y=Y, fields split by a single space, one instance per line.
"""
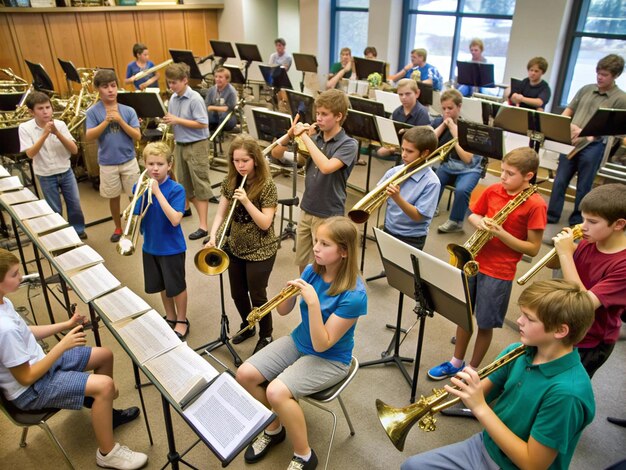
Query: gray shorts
x=63 y=386
x=303 y=374
x=490 y=297
x=191 y=163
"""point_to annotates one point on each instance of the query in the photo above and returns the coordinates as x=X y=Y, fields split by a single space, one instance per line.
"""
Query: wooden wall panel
x=65 y=43
x=8 y=52
x=95 y=40
x=174 y=29
x=151 y=34
x=123 y=32
x=195 y=33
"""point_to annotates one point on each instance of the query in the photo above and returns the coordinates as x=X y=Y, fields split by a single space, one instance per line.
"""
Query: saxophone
x=463 y=257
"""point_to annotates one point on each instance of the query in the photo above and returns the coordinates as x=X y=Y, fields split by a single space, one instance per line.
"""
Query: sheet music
x=49 y=222
x=3 y=172
x=18 y=197
x=226 y=415
x=64 y=238
x=120 y=304
x=78 y=258
x=387 y=131
x=472 y=110
x=148 y=336
x=10 y=184
x=33 y=209
x=94 y=281
x=181 y=371
x=389 y=100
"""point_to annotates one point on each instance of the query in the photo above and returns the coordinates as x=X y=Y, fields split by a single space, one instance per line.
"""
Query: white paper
x=389 y=100
x=33 y=209
x=3 y=172
x=93 y=282
x=226 y=415
x=148 y=336
x=78 y=258
x=64 y=238
x=47 y=223
x=18 y=197
x=10 y=184
x=181 y=371
x=120 y=304
x=387 y=131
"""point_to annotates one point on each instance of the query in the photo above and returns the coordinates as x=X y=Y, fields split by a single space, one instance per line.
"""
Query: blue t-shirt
x=114 y=145
x=160 y=237
x=348 y=304
x=421 y=191
x=428 y=71
x=134 y=69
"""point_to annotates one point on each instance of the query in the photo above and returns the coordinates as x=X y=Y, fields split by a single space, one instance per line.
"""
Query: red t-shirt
x=604 y=275
x=496 y=259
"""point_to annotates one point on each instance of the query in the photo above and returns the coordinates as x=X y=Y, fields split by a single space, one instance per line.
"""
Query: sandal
x=171 y=323
x=181 y=336
x=361 y=162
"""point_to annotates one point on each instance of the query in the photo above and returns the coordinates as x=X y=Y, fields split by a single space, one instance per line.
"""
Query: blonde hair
x=159 y=149
x=478 y=42
x=421 y=52
x=344 y=233
x=248 y=144
x=407 y=82
x=224 y=71
x=7 y=261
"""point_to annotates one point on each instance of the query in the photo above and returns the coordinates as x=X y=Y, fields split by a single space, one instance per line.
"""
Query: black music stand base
x=289 y=231
x=173 y=457
x=223 y=339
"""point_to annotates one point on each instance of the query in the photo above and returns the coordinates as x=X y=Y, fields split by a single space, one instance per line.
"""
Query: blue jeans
x=66 y=182
x=463 y=187
x=586 y=163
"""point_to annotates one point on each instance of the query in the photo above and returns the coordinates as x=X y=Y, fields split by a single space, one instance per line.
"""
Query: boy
x=341 y=69
x=221 y=99
x=411 y=206
x=476 y=48
x=333 y=156
x=586 y=157
x=410 y=111
x=116 y=127
x=49 y=144
x=187 y=114
x=545 y=398
x=533 y=93
x=33 y=380
x=598 y=266
x=281 y=57
x=426 y=73
x=520 y=234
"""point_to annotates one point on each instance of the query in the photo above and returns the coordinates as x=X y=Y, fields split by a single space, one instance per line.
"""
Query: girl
x=252 y=243
x=141 y=62
x=164 y=244
x=318 y=352
x=461 y=168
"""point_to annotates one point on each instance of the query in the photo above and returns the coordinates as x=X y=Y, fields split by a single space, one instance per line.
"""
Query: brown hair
x=612 y=63
x=104 y=77
x=139 y=48
x=524 y=159
x=453 y=95
x=420 y=51
x=370 y=50
x=345 y=49
x=478 y=42
x=262 y=172
x=280 y=41
x=540 y=62
x=177 y=71
x=7 y=261
x=336 y=101
x=422 y=137
x=557 y=302
x=607 y=201
x=345 y=234
x=36 y=97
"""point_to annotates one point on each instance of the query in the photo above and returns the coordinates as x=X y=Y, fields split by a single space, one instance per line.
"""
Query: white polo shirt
x=53 y=158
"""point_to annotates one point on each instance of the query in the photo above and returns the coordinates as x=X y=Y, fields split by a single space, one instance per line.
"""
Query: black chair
x=287 y=203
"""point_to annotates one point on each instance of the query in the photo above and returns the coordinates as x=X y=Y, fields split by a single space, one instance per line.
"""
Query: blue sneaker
x=444 y=370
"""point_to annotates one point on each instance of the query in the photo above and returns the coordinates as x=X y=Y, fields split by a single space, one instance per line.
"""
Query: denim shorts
x=490 y=297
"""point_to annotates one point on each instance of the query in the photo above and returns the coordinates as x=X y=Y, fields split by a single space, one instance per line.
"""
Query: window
x=598 y=28
x=348 y=27
x=445 y=29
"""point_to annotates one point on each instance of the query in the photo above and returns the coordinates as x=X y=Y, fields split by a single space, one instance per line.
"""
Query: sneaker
x=187 y=213
x=298 y=464
x=436 y=212
x=444 y=370
x=121 y=457
x=450 y=226
x=262 y=343
x=82 y=235
x=214 y=199
x=245 y=335
x=124 y=416
x=198 y=234
x=116 y=235
x=261 y=445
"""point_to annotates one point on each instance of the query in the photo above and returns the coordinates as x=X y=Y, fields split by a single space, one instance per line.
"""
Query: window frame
x=334 y=11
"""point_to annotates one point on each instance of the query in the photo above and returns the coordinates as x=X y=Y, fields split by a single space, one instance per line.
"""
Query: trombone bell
x=211 y=261
x=125 y=246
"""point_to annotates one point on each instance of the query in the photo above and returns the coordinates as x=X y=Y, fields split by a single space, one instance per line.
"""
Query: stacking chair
x=328 y=395
x=286 y=204
x=26 y=419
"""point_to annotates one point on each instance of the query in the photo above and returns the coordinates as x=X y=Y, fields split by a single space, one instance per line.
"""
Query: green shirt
x=552 y=402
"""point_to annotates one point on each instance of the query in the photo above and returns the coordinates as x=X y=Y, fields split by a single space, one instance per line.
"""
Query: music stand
x=41 y=79
x=186 y=57
x=222 y=49
x=71 y=74
x=248 y=53
x=476 y=74
x=435 y=285
x=606 y=121
x=305 y=63
x=426 y=93
x=10 y=101
x=516 y=85
x=276 y=78
x=301 y=104
x=10 y=138
x=367 y=106
x=480 y=139
x=235 y=74
x=146 y=104
x=364 y=67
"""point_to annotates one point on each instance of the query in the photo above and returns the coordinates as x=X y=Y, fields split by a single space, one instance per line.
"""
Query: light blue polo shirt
x=189 y=106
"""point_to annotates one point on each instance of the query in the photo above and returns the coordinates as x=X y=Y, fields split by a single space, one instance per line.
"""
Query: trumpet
x=213 y=260
x=577 y=233
x=128 y=242
x=397 y=422
x=258 y=313
x=362 y=210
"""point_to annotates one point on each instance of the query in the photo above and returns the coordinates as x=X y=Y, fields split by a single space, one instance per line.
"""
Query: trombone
x=362 y=210
x=128 y=242
x=577 y=233
x=213 y=260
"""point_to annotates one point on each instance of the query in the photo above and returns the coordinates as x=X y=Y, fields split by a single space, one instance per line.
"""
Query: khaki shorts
x=192 y=169
x=306 y=233
x=116 y=179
